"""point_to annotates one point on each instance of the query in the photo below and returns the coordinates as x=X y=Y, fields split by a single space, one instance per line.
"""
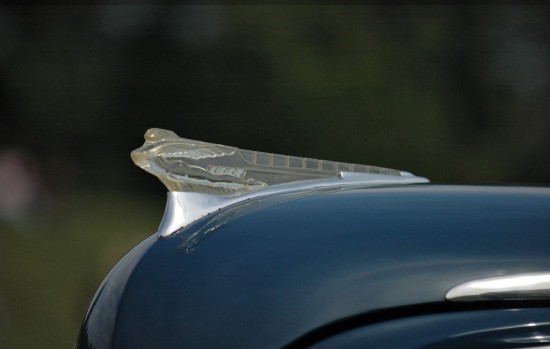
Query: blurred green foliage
x=51 y=265
x=452 y=93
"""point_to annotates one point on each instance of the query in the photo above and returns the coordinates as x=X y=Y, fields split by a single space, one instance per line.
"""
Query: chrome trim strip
x=183 y=208
x=528 y=286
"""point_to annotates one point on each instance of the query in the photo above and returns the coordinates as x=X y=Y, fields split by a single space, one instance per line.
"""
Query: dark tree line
x=454 y=93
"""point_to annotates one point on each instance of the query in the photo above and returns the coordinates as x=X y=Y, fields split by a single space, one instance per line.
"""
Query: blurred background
x=458 y=94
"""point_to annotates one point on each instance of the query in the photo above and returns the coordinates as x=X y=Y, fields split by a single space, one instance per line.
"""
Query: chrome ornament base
x=183 y=208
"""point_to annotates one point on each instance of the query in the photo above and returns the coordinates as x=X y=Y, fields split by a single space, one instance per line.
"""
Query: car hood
x=263 y=273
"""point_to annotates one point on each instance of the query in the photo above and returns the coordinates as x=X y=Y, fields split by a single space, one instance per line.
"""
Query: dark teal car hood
x=267 y=272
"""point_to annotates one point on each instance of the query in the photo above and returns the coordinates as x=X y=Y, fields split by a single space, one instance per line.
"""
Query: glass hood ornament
x=203 y=177
x=195 y=166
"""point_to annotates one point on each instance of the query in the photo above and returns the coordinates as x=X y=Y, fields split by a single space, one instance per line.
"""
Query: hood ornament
x=195 y=166
x=203 y=177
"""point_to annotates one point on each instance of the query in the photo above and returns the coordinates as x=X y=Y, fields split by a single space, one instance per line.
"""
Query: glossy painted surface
x=267 y=272
x=494 y=329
